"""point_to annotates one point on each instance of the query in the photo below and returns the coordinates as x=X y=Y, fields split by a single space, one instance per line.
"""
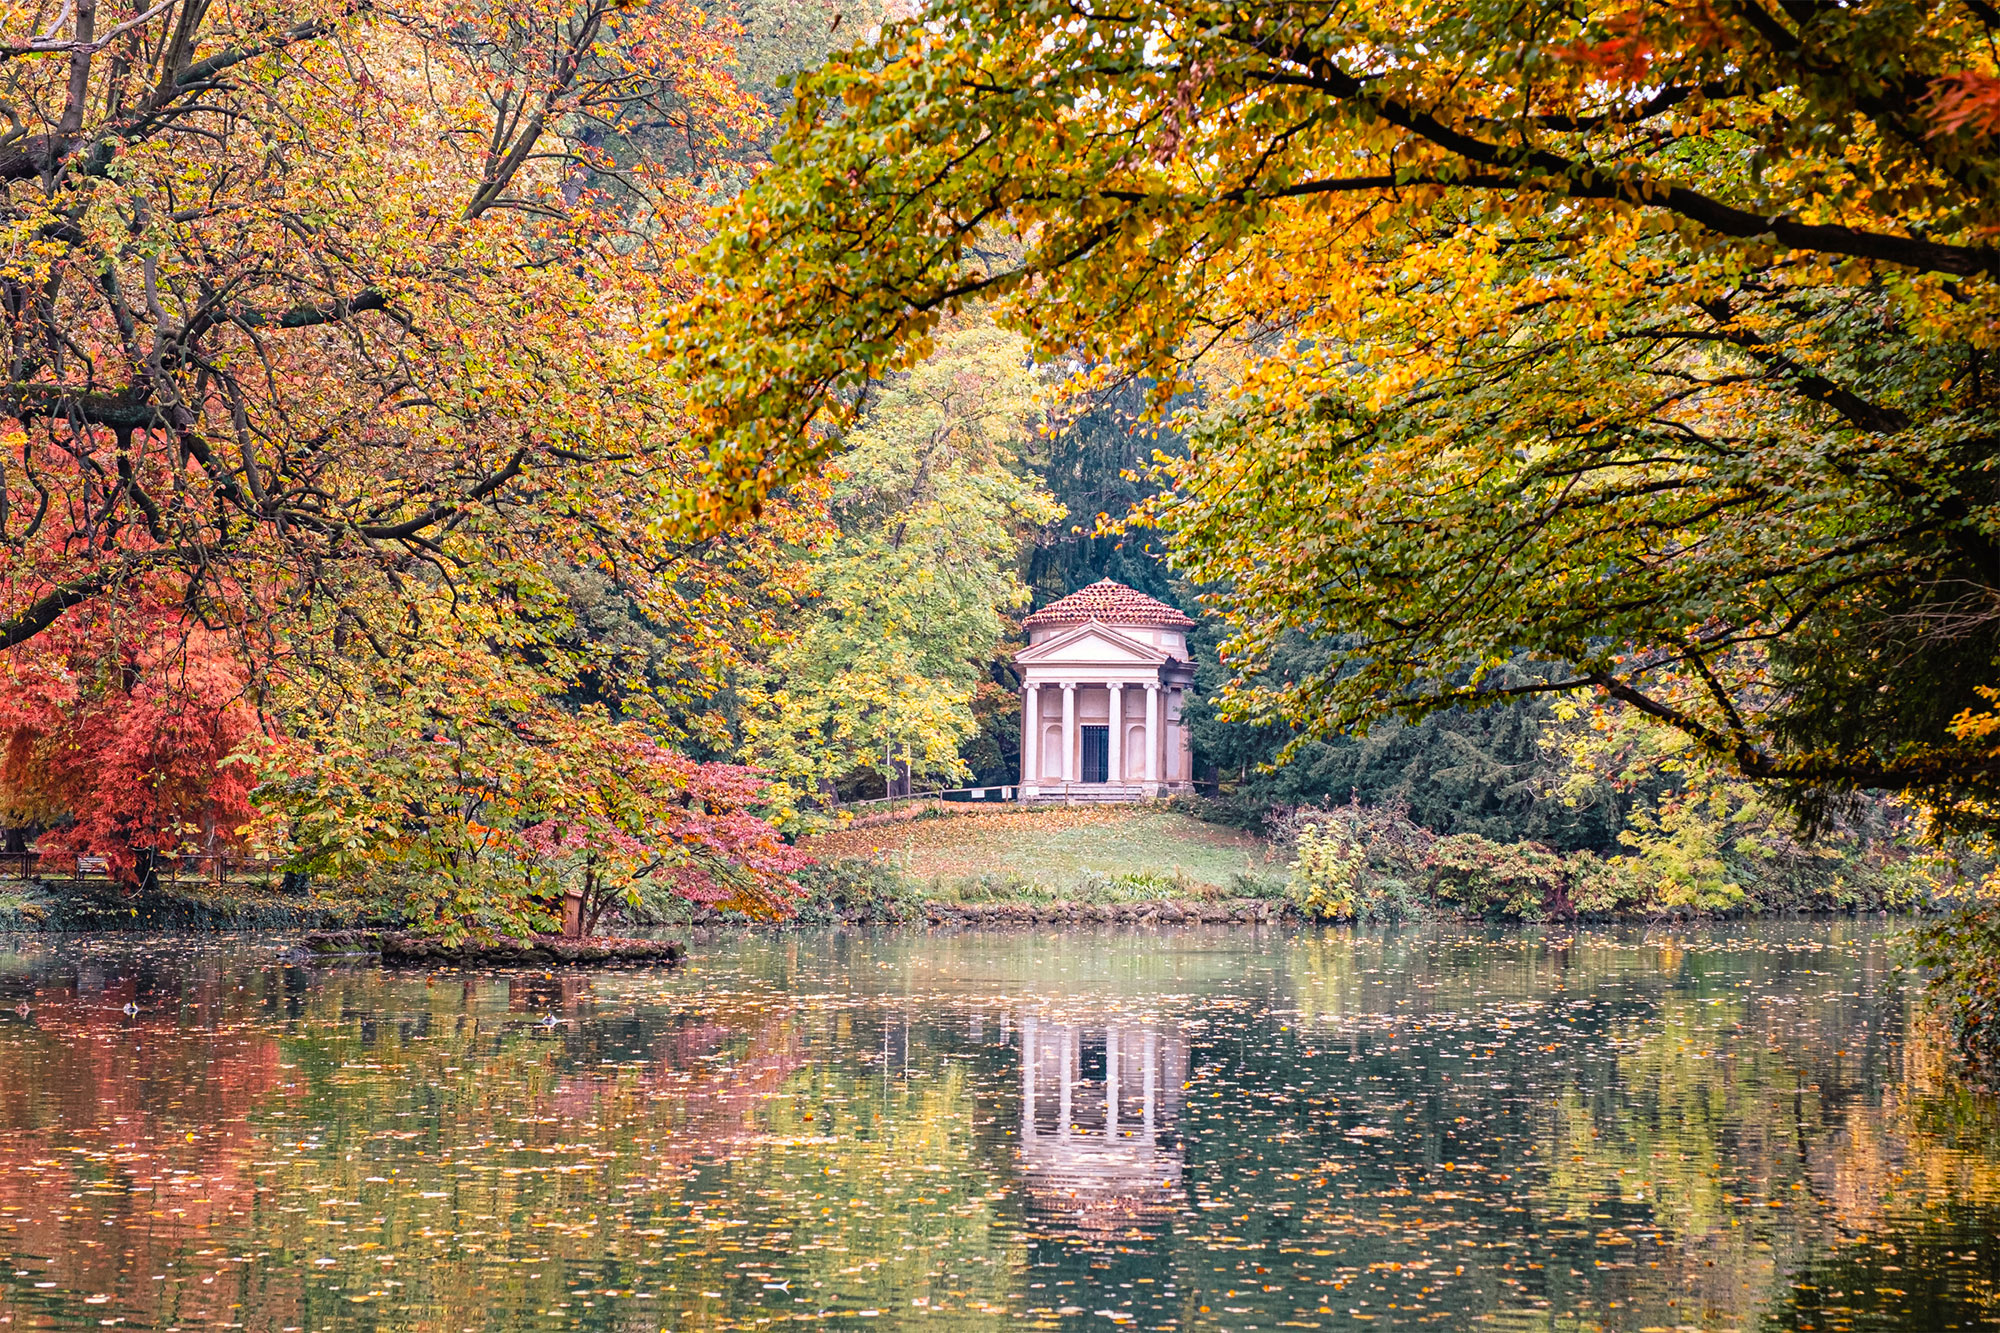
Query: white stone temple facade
x=1102 y=680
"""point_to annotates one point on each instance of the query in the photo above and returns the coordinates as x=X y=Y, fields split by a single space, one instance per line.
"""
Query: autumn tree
x=1647 y=343
x=293 y=288
x=909 y=589
x=320 y=323
x=465 y=796
x=118 y=740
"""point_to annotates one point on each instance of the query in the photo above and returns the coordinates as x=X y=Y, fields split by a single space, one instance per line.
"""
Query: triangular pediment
x=1092 y=644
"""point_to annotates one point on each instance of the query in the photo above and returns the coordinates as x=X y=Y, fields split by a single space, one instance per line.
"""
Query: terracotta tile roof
x=1110 y=604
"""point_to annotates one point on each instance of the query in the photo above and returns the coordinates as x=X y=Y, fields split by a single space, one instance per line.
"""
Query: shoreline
x=400 y=948
x=175 y=910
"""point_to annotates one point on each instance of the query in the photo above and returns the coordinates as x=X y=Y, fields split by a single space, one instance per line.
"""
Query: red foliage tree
x=115 y=731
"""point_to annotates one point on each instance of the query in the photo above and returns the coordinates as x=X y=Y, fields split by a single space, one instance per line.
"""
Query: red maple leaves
x=117 y=729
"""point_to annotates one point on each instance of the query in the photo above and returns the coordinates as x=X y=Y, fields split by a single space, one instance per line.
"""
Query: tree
x=118 y=733
x=1097 y=461
x=466 y=794
x=1487 y=771
x=321 y=334
x=302 y=288
x=911 y=585
x=1644 y=341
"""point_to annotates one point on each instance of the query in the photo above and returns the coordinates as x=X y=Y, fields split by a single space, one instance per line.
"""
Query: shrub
x=1604 y=886
x=1335 y=878
x=1679 y=851
x=1521 y=880
x=855 y=889
x=990 y=887
x=1225 y=809
x=1253 y=884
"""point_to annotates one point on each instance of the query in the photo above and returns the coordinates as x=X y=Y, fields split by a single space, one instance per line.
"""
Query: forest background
x=530 y=461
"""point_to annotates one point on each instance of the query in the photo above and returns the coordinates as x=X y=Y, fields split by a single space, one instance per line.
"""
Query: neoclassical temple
x=1102 y=681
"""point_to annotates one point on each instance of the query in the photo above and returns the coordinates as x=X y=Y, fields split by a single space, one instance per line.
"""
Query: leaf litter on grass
x=1146 y=851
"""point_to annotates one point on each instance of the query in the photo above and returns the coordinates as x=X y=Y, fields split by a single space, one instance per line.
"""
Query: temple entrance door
x=1096 y=754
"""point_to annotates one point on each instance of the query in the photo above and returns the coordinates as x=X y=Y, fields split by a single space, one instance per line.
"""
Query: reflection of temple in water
x=1099 y=1110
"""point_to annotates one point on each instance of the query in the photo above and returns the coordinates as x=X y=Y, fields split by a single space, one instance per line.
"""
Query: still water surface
x=1727 y=1129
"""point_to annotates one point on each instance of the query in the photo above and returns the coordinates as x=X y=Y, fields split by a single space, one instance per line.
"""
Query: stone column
x=1031 y=1055
x=1067 y=1085
x=1069 y=731
x=1152 y=732
x=1117 y=759
x=1111 y=1083
x=1031 y=735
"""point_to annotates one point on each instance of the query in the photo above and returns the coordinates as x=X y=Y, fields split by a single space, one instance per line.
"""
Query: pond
x=1619 y=1129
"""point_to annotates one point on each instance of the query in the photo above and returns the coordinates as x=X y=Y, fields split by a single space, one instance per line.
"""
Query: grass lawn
x=1089 y=851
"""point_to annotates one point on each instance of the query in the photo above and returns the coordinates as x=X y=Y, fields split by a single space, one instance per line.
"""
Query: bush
x=1691 y=856
x=1604 y=886
x=1353 y=863
x=855 y=889
x=990 y=887
x=1226 y=809
x=1520 y=880
x=1253 y=884
x=1681 y=850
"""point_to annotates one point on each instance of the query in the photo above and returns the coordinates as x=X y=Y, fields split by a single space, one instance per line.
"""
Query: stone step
x=1093 y=793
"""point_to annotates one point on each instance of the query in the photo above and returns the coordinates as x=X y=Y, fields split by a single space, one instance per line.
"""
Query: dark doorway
x=1097 y=754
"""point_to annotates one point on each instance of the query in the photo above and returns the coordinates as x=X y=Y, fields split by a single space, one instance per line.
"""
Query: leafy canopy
x=1647 y=343
x=323 y=410
x=909 y=589
x=290 y=289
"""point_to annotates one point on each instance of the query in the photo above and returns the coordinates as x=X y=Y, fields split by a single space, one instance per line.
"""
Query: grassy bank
x=1097 y=853
x=1335 y=864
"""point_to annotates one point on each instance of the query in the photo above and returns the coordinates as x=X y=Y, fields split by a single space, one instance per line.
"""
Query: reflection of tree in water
x=1099 y=1109
x=126 y=1095
x=1942 y=1274
x=238 y=1111
x=1560 y=1130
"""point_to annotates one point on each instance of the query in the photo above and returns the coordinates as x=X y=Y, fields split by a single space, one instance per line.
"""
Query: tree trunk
x=146 y=869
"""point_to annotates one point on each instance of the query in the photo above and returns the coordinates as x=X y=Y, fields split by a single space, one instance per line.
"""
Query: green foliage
x=908 y=590
x=1355 y=863
x=1099 y=887
x=855 y=890
x=1485 y=771
x=1604 y=887
x=1521 y=881
x=1678 y=849
x=1326 y=877
x=1098 y=460
x=1512 y=344
x=1962 y=954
